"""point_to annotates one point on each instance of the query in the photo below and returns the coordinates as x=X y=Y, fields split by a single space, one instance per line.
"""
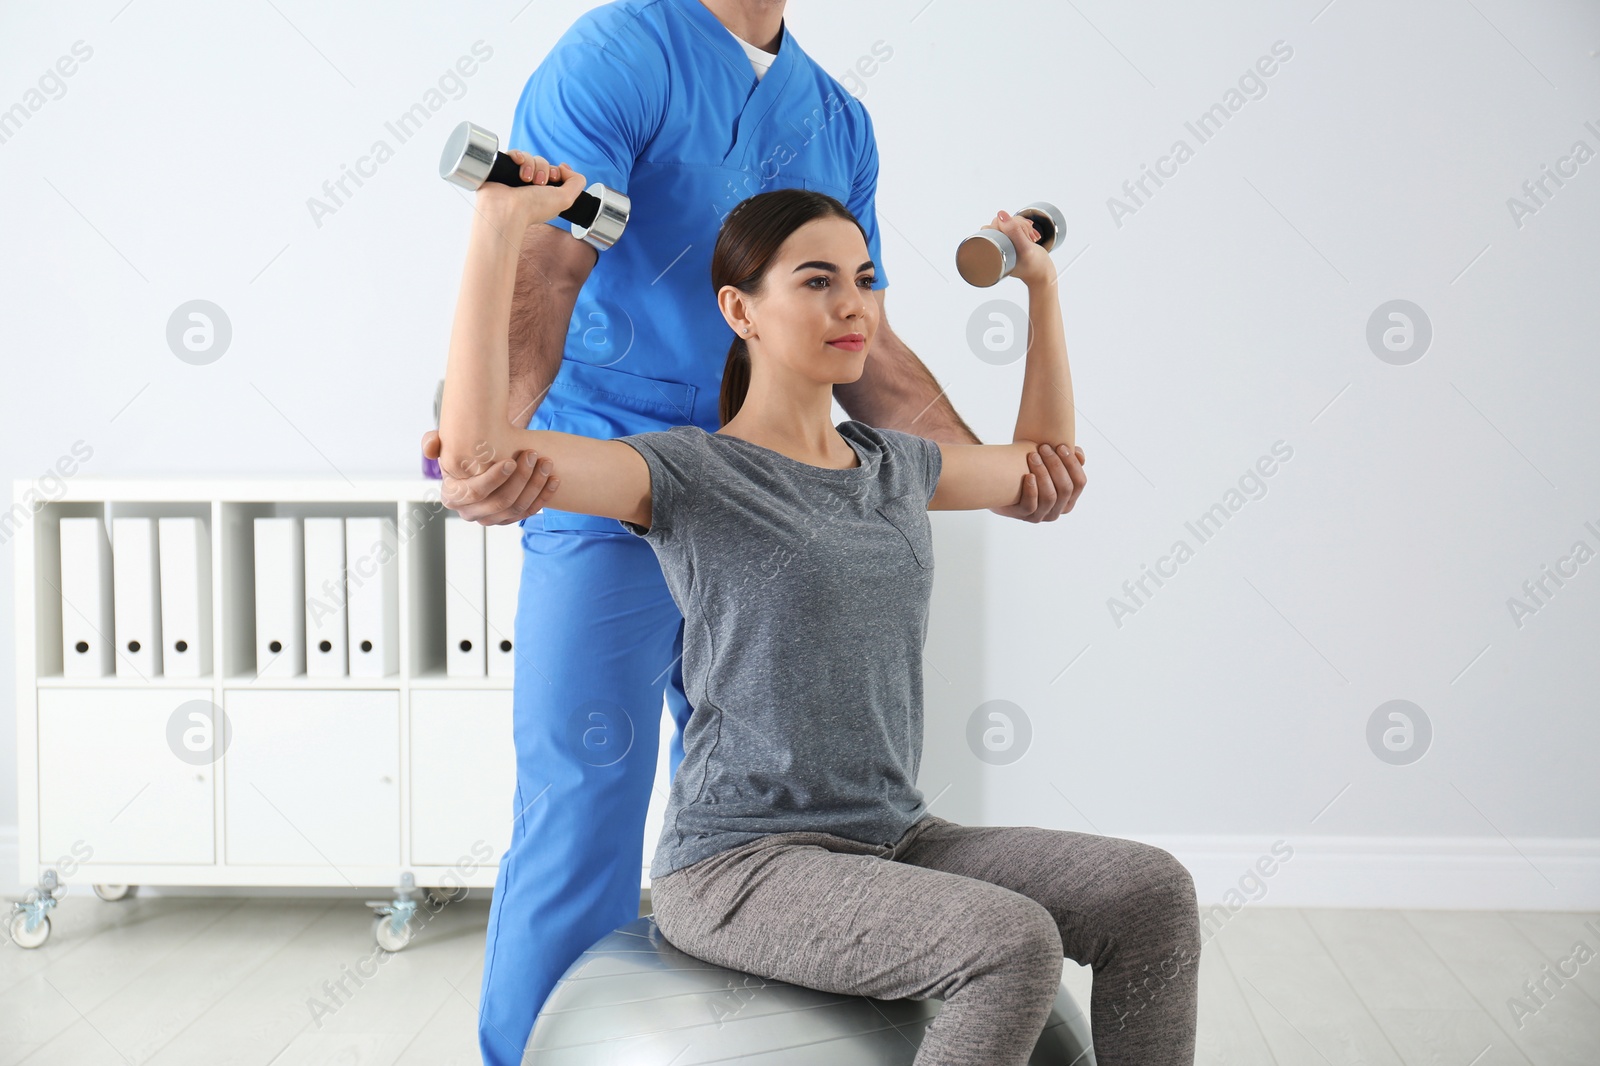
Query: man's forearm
x=896 y=391
x=541 y=308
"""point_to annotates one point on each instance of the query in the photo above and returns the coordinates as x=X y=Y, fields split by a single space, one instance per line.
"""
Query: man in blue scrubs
x=688 y=107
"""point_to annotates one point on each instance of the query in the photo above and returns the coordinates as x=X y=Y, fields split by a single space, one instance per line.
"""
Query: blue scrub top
x=656 y=98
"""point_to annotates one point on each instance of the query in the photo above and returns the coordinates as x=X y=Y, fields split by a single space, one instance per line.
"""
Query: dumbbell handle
x=472 y=156
x=508 y=171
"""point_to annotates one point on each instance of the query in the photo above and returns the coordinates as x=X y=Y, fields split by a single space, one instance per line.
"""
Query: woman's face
x=816 y=314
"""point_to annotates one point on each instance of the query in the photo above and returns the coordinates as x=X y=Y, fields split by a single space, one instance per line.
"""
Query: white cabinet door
x=463 y=776
x=312 y=778
x=112 y=784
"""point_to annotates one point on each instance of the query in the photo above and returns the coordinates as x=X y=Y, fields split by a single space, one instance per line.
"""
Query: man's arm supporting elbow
x=551 y=269
x=897 y=391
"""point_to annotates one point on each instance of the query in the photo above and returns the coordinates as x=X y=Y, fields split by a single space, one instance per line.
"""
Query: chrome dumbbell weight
x=988 y=255
x=472 y=156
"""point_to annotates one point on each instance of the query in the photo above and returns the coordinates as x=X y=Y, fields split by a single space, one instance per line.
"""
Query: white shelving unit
x=345 y=782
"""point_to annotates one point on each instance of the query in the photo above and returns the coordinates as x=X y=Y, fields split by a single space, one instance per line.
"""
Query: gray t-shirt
x=804 y=593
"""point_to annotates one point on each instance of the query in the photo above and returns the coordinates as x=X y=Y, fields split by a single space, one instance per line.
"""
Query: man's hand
x=1046 y=499
x=506 y=492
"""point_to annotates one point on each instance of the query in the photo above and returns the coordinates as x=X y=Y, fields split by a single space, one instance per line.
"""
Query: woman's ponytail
x=735 y=380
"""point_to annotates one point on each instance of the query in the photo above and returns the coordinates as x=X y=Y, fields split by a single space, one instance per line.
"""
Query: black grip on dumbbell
x=1043 y=223
x=584 y=209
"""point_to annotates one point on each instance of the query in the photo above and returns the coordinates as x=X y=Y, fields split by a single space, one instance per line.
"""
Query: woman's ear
x=735 y=310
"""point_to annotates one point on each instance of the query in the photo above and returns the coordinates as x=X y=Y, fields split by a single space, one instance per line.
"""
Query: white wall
x=1225 y=313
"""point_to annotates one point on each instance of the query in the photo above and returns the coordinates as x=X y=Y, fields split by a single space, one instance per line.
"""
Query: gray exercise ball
x=633 y=999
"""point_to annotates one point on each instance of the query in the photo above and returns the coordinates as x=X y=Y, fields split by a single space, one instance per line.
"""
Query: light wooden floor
x=170 y=980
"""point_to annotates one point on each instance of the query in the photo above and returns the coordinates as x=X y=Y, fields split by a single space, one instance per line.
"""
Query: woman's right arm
x=603 y=477
x=599 y=477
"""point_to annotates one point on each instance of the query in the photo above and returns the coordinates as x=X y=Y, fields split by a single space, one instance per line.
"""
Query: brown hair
x=749 y=239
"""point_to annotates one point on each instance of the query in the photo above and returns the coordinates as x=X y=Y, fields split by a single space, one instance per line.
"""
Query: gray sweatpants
x=977 y=916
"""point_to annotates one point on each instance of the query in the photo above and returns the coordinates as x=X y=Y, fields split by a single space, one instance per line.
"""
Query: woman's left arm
x=980 y=476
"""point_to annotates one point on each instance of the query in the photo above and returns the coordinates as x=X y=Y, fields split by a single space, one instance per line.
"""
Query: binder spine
x=86 y=609
x=136 y=597
x=326 y=603
x=279 y=598
x=372 y=578
x=463 y=598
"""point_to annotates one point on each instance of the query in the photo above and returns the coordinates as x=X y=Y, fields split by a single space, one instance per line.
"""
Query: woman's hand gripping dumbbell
x=549 y=189
x=472 y=159
x=986 y=257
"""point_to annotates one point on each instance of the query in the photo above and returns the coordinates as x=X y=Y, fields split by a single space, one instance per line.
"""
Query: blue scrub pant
x=598 y=640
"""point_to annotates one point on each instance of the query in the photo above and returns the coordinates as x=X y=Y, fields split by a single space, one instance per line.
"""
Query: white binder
x=185 y=596
x=325 y=598
x=280 y=598
x=136 y=569
x=463 y=598
x=372 y=581
x=86 y=614
x=502 y=577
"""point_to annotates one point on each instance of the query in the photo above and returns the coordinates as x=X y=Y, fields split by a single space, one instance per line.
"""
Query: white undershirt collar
x=760 y=60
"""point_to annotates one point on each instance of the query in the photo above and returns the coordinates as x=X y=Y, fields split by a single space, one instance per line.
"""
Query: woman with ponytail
x=796 y=844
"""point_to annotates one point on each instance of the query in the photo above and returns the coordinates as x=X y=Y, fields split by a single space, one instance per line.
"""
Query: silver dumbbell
x=472 y=156
x=988 y=255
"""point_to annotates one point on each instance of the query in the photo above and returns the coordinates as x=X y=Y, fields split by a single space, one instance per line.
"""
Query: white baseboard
x=1441 y=873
